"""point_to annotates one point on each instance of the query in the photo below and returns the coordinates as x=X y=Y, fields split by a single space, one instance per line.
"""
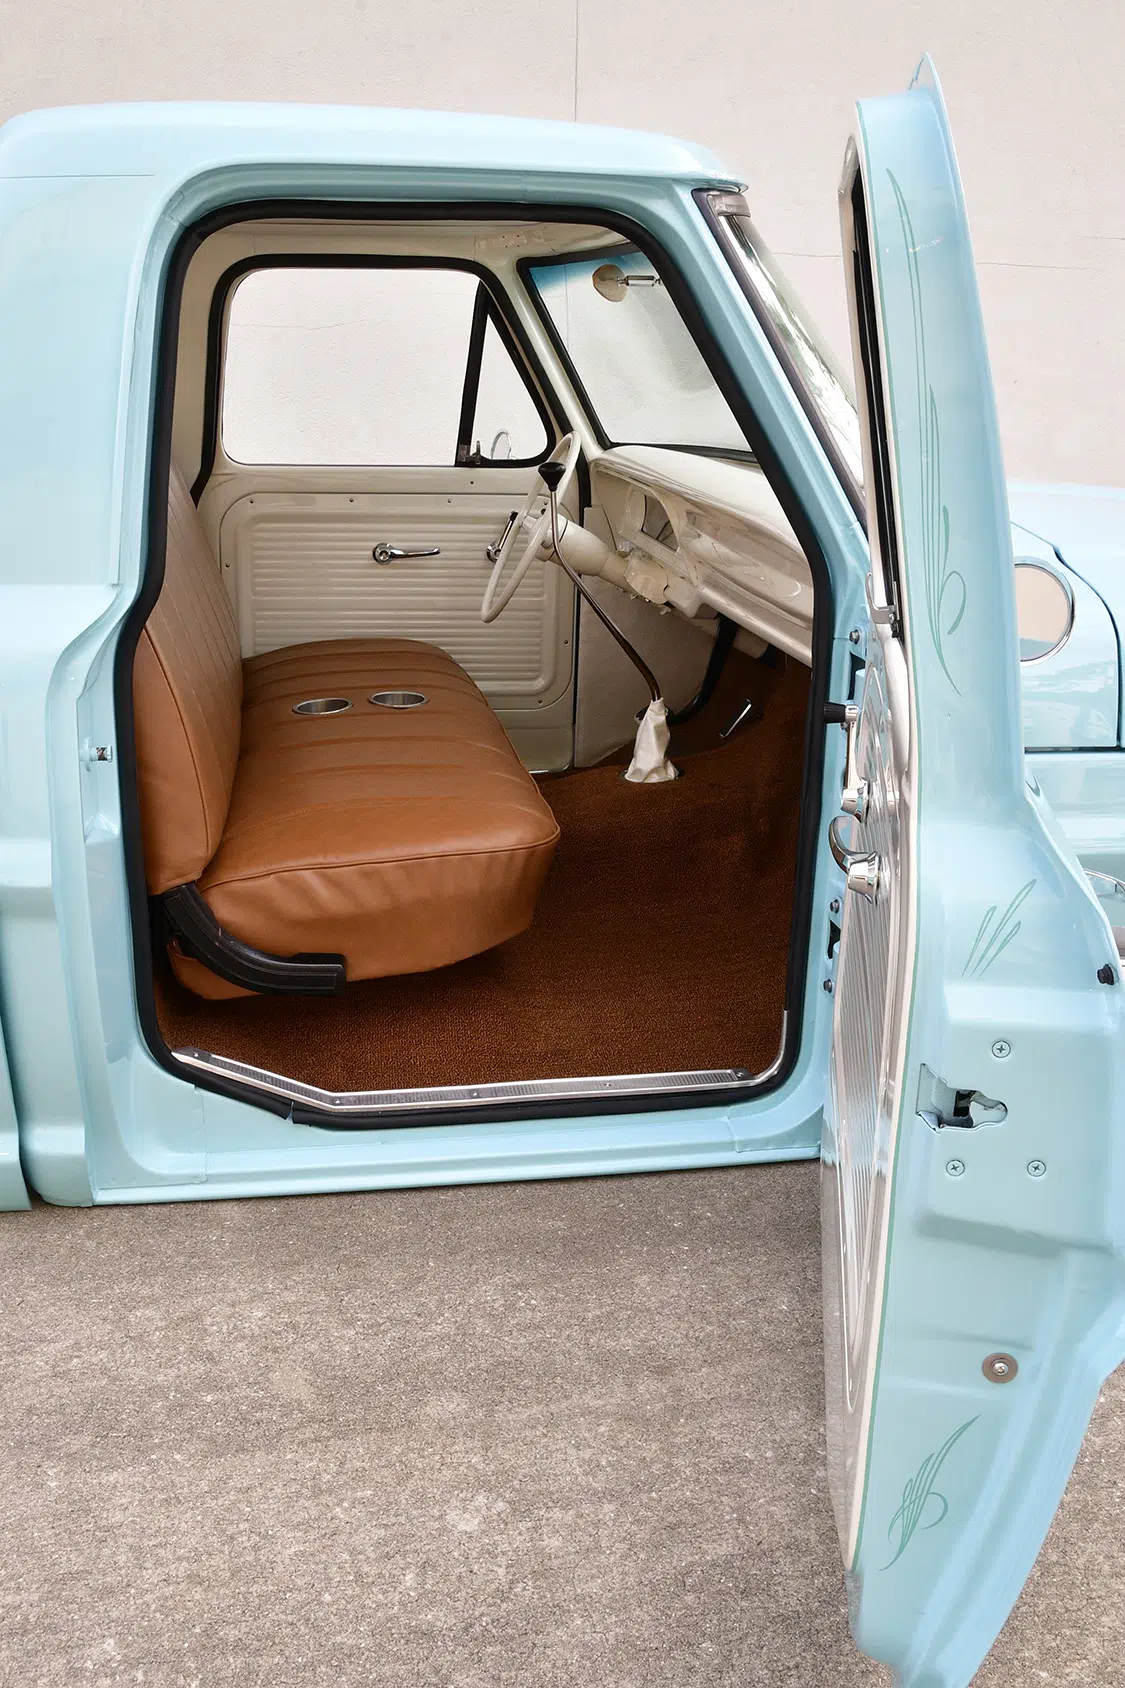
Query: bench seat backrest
x=187 y=702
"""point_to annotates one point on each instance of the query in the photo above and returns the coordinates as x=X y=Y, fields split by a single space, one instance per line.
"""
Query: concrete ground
x=544 y=1435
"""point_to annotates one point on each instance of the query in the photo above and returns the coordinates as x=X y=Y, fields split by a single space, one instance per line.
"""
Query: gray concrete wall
x=1032 y=87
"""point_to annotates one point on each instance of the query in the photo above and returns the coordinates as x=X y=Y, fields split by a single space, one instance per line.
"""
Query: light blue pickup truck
x=483 y=696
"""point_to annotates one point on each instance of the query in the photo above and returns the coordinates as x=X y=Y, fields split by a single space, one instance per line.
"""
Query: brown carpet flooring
x=659 y=943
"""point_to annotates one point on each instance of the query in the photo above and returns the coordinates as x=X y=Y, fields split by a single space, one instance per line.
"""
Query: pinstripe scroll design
x=922 y=1507
x=994 y=935
x=946 y=593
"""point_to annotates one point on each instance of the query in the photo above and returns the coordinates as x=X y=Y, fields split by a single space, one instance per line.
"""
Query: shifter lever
x=551 y=474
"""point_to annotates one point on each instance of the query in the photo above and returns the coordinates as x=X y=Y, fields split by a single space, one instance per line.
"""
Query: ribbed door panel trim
x=299 y=566
x=863 y=1039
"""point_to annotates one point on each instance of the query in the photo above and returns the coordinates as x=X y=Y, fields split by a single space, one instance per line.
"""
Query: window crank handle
x=853 y=800
x=493 y=551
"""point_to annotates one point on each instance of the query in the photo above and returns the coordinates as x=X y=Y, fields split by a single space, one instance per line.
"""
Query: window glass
x=360 y=366
x=811 y=364
x=506 y=417
x=643 y=374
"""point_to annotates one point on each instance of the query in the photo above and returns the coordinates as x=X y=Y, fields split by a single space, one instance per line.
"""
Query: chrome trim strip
x=776 y=1064
x=459 y=1095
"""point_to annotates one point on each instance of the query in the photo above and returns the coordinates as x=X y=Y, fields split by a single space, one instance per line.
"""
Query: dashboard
x=705 y=535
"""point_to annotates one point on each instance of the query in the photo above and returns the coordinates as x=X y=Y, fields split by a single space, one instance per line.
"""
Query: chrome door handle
x=384 y=553
x=863 y=872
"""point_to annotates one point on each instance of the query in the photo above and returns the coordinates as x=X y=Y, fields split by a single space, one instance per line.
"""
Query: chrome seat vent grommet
x=399 y=700
x=322 y=706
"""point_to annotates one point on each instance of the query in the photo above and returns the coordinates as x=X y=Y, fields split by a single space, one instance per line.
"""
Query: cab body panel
x=94 y=206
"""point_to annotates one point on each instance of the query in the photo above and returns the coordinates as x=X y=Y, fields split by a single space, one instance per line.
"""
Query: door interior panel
x=295 y=549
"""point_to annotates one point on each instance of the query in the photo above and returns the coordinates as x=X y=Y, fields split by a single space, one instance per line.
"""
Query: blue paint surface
x=957 y=1477
x=962 y=1476
x=92 y=203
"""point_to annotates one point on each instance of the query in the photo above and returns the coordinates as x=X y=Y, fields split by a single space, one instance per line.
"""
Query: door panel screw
x=828 y=986
x=955 y=1168
x=1036 y=1168
x=834 y=906
x=1001 y=1048
x=1000 y=1368
x=855 y=636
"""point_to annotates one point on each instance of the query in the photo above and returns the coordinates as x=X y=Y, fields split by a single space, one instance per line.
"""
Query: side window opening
x=506 y=424
x=362 y=365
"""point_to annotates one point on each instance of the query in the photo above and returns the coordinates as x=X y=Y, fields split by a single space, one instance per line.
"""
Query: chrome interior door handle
x=863 y=871
x=384 y=553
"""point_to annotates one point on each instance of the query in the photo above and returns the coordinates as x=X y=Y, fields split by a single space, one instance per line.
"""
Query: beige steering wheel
x=497 y=598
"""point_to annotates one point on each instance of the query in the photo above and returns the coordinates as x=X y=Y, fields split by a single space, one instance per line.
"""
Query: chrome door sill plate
x=460 y=1096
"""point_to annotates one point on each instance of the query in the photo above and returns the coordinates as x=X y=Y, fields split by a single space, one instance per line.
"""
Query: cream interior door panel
x=303 y=569
x=296 y=556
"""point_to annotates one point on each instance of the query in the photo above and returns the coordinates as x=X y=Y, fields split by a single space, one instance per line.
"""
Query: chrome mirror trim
x=1029 y=563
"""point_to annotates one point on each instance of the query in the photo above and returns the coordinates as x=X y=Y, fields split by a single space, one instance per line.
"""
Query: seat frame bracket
x=187 y=918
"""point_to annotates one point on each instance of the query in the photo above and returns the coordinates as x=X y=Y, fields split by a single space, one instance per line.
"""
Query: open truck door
x=13 y=1189
x=973 y=1197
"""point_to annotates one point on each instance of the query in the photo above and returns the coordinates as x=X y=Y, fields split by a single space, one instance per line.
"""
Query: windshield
x=644 y=378
x=824 y=389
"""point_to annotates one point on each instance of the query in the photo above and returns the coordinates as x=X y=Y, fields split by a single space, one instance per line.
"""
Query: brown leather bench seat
x=402 y=839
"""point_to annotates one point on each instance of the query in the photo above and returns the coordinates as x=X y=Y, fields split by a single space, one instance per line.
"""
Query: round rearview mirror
x=1044 y=611
x=610 y=282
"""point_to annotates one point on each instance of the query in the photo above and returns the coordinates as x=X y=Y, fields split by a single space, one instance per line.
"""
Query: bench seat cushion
x=403 y=839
